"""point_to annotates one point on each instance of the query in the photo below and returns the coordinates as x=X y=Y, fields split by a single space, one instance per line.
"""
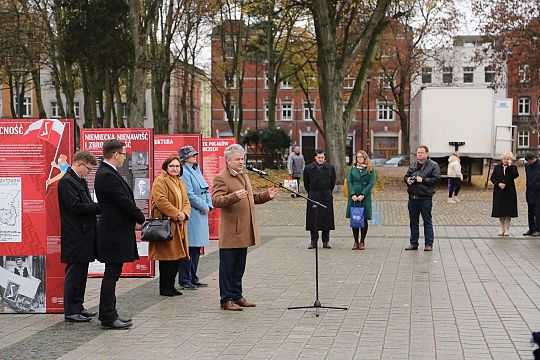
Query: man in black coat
x=421 y=178
x=116 y=229
x=319 y=181
x=532 y=169
x=78 y=234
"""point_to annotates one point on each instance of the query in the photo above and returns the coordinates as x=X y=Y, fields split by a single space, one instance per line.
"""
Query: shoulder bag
x=156 y=229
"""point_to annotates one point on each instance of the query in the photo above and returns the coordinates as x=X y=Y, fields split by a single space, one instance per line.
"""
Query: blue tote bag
x=357 y=217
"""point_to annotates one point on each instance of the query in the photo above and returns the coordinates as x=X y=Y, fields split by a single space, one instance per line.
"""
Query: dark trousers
x=167 y=274
x=454 y=184
x=315 y=236
x=536 y=216
x=232 y=264
x=422 y=207
x=107 y=295
x=74 y=288
x=362 y=232
x=187 y=273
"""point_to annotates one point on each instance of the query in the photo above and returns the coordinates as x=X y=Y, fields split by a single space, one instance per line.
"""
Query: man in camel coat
x=238 y=230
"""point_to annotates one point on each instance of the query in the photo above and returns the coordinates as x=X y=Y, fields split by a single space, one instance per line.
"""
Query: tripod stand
x=315 y=206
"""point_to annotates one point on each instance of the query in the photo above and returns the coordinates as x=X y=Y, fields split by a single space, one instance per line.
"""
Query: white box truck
x=469 y=120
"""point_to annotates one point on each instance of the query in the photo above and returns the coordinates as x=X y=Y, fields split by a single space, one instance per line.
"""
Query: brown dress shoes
x=231 y=306
x=244 y=303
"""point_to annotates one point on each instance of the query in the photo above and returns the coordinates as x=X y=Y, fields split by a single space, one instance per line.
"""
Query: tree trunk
x=136 y=100
x=36 y=79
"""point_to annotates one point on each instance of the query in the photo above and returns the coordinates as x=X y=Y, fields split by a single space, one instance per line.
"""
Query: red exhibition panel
x=34 y=155
x=168 y=145
x=213 y=162
x=138 y=170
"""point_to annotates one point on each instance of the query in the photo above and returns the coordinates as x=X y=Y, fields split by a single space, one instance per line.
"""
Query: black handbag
x=156 y=229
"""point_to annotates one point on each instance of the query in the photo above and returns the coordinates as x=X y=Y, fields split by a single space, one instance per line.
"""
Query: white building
x=464 y=64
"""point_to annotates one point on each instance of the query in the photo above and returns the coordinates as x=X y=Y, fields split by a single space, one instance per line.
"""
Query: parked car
x=378 y=162
x=397 y=161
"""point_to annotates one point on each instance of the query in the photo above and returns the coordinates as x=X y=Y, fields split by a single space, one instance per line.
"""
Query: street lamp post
x=368 y=133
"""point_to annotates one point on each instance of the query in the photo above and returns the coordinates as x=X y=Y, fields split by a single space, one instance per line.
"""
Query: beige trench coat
x=237 y=223
x=170 y=197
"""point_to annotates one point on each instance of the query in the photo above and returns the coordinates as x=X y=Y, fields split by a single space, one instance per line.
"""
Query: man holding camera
x=421 y=179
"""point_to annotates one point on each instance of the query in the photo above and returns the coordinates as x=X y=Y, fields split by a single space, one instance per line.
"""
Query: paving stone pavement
x=476 y=296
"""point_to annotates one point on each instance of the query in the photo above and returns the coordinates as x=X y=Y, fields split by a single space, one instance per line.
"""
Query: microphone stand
x=317 y=304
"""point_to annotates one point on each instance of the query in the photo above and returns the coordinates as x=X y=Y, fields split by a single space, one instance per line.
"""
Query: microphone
x=260 y=172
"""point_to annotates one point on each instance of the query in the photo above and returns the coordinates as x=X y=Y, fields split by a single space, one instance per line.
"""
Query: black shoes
x=116 y=325
x=200 y=284
x=77 y=318
x=188 y=287
x=88 y=313
x=166 y=292
x=312 y=246
x=412 y=247
x=326 y=246
x=528 y=232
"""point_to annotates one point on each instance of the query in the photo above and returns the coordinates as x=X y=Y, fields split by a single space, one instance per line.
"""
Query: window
x=426 y=75
x=307 y=108
x=26 y=106
x=385 y=80
x=232 y=106
x=348 y=82
x=77 y=109
x=468 y=75
x=385 y=112
x=489 y=74
x=266 y=111
x=124 y=110
x=523 y=138
x=286 y=111
x=265 y=80
x=228 y=48
x=524 y=76
x=285 y=84
x=55 y=109
x=447 y=74
x=524 y=106
x=231 y=85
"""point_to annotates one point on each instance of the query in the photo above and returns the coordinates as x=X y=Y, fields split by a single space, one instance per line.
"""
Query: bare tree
x=346 y=32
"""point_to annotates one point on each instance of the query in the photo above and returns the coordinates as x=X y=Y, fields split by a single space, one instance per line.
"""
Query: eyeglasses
x=86 y=166
x=121 y=153
x=174 y=166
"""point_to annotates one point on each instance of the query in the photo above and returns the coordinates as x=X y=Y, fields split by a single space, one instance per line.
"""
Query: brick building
x=375 y=126
x=524 y=89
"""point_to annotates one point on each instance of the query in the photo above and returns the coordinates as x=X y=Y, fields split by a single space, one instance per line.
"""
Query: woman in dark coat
x=504 y=193
x=319 y=181
x=360 y=181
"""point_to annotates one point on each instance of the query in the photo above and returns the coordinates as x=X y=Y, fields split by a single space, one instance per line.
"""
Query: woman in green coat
x=360 y=183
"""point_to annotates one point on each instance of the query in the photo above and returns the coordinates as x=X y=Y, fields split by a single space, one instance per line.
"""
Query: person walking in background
x=360 y=180
x=319 y=181
x=238 y=229
x=455 y=177
x=421 y=178
x=170 y=199
x=504 y=193
x=78 y=237
x=201 y=205
x=532 y=169
x=295 y=165
x=119 y=219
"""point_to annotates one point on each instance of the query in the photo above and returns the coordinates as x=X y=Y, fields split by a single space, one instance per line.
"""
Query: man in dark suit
x=116 y=229
x=78 y=237
x=319 y=181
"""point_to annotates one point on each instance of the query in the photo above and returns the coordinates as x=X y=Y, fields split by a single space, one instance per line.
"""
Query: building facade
x=375 y=126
